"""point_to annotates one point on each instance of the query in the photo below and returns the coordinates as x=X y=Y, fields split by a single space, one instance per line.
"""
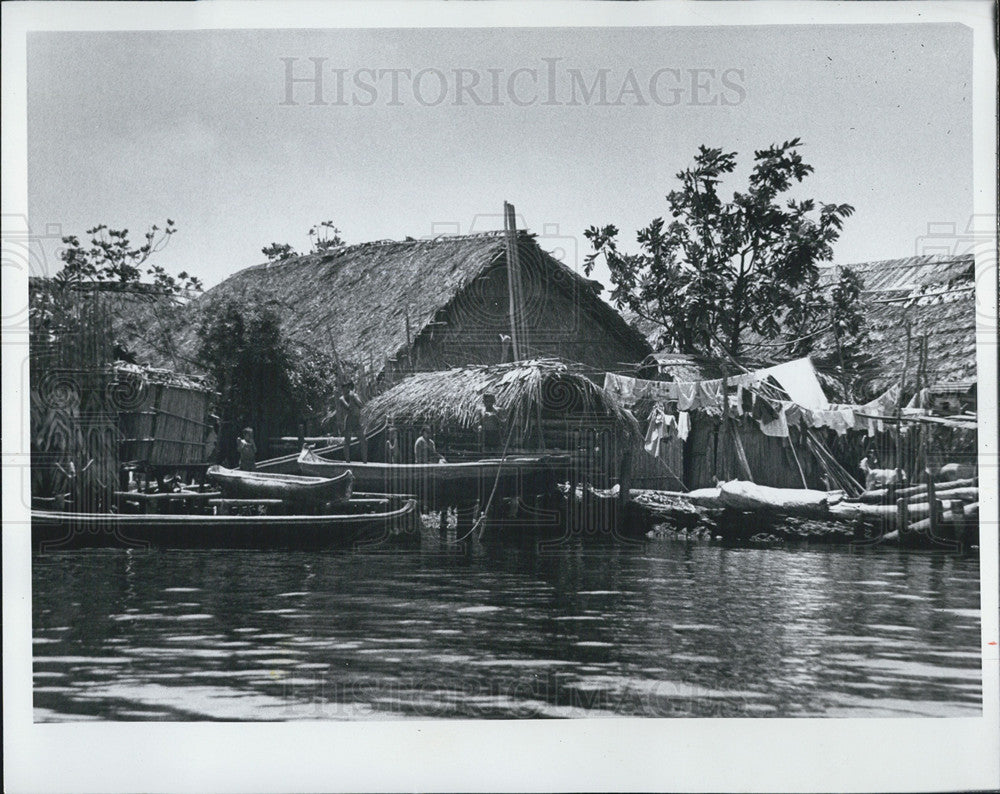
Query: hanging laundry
x=777 y=427
x=795 y=414
x=686 y=395
x=709 y=394
x=683 y=425
x=839 y=420
x=763 y=410
x=620 y=387
x=799 y=380
x=662 y=427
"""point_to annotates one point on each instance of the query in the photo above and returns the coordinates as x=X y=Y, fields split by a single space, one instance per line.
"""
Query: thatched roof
x=374 y=300
x=453 y=398
x=143 y=319
x=935 y=295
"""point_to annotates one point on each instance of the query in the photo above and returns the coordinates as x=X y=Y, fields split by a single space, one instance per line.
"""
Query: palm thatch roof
x=373 y=301
x=523 y=391
x=934 y=296
x=140 y=318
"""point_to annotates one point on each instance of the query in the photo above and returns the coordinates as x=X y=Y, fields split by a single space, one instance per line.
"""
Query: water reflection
x=665 y=630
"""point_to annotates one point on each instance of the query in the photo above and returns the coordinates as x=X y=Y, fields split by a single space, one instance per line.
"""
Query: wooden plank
x=228 y=502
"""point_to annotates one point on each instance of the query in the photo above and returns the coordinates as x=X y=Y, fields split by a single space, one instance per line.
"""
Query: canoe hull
x=54 y=531
x=441 y=484
x=236 y=484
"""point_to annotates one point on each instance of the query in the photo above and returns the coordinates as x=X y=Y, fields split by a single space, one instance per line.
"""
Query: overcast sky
x=131 y=128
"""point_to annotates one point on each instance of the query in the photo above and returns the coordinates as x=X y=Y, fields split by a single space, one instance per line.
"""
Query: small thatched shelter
x=547 y=406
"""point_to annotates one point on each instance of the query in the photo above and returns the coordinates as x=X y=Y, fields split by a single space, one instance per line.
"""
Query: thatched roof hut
x=394 y=308
x=935 y=297
x=545 y=402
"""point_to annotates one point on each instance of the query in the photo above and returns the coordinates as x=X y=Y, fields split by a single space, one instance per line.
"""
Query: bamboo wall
x=167 y=428
x=711 y=455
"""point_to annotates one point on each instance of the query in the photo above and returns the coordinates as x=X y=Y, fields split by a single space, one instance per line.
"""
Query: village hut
x=546 y=405
x=91 y=409
x=389 y=309
x=920 y=314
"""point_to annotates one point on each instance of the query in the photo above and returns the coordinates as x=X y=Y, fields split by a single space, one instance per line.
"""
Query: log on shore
x=949 y=519
x=882 y=495
x=970 y=494
x=859 y=511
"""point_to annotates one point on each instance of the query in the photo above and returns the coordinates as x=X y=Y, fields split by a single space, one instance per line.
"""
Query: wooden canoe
x=447 y=483
x=54 y=531
x=239 y=484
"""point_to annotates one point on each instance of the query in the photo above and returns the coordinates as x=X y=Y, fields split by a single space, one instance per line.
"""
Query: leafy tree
x=112 y=257
x=325 y=236
x=721 y=269
x=242 y=349
x=278 y=252
x=72 y=326
x=848 y=329
x=263 y=380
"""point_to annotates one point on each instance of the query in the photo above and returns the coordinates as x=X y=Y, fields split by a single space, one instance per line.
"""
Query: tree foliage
x=324 y=236
x=720 y=269
x=111 y=256
x=262 y=379
x=848 y=329
x=278 y=252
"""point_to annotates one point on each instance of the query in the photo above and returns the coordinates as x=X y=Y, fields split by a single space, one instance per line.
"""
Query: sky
x=131 y=128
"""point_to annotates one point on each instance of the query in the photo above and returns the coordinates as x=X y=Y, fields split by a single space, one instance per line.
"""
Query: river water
x=663 y=629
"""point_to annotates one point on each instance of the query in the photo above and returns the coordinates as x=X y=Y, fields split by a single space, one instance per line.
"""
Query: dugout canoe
x=239 y=484
x=447 y=482
x=55 y=531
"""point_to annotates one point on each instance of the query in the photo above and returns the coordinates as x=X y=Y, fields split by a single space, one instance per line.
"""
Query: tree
x=848 y=329
x=262 y=379
x=111 y=257
x=72 y=340
x=278 y=252
x=721 y=269
x=325 y=236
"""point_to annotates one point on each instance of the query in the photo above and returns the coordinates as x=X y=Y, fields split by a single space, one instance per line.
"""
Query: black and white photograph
x=500 y=396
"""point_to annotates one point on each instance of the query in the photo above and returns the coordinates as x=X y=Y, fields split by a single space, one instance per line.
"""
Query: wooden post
x=511 y=232
x=935 y=505
x=899 y=407
x=624 y=486
x=902 y=516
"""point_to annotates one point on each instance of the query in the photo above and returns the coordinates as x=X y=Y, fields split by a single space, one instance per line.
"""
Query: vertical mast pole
x=510 y=227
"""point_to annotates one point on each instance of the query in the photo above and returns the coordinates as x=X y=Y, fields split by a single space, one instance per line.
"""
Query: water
x=666 y=630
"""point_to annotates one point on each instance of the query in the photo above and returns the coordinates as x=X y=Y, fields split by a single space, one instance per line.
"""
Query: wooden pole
x=902 y=516
x=511 y=233
x=899 y=405
x=522 y=323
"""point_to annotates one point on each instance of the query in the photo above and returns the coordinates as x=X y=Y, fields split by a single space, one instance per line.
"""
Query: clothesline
x=808 y=406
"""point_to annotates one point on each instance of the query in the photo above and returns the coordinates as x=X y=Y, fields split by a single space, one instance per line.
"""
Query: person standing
x=392 y=445
x=349 y=406
x=491 y=426
x=247 y=450
x=424 y=450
